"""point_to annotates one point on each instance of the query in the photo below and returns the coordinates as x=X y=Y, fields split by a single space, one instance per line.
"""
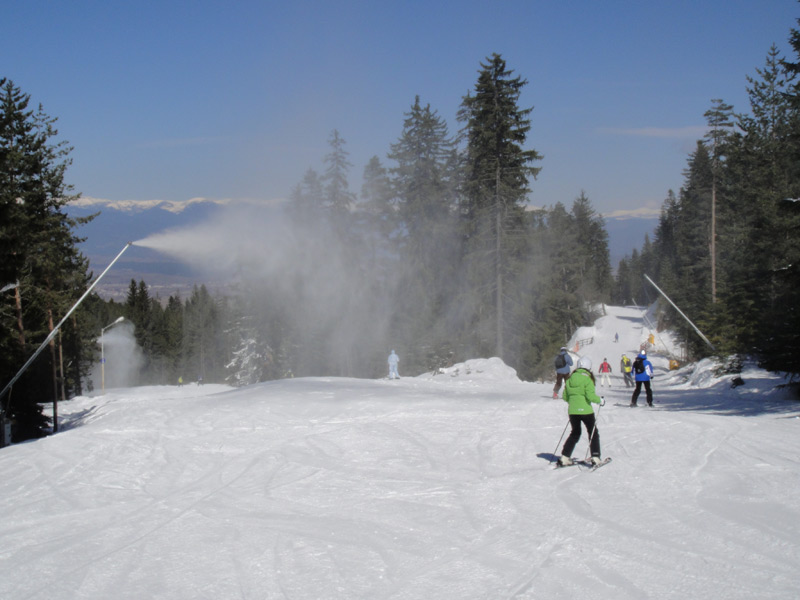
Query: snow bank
x=477 y=369
x=581 y=334
x=753 y=381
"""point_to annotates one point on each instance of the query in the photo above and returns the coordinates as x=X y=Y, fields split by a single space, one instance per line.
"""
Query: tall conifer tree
x=422 y=183
x=38 y=250
x=496 y=181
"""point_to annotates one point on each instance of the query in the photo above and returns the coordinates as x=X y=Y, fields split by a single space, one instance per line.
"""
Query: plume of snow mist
x=281 y=263
x=251 y=240
x=124 y=358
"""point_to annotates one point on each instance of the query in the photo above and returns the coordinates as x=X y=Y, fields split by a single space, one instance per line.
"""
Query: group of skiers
x=580 y=393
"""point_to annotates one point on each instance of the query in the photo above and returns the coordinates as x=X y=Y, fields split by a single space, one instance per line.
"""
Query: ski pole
x=561 y=438
x=594 y=428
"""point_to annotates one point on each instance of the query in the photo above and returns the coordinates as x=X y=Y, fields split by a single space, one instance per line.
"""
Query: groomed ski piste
x=430 y=487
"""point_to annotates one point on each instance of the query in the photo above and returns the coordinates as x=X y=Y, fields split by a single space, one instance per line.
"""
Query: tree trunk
x=20 y=328
x=499 y=280
x=714 y=240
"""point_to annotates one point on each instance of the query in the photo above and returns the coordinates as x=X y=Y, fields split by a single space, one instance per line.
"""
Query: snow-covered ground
x=430 y=487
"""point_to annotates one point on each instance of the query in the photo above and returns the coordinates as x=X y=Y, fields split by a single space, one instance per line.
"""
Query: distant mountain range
x=120 y=222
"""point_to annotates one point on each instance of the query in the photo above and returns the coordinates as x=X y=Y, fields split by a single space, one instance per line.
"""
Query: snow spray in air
x=234 y=240
x=286 y=266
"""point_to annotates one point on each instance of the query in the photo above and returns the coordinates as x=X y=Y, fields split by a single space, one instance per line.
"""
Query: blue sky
x=173 y=100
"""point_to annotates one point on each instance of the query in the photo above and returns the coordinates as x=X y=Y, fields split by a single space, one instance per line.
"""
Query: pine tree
x=495 y=186
x=38 y=256
x=773 y=137
x=377 y=199
x=307 y=198
x=719 y=121
x=173 y=338
x=592 y=239
x=428 y=250
x=380 y=221
x=205 y=356
x=693 y=234
x=420 y=179
x=338 y=198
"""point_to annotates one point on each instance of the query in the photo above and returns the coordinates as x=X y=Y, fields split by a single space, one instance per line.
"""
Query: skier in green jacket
x=579 y=394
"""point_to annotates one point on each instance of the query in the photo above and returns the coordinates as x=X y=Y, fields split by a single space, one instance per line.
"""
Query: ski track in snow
x=426 y=487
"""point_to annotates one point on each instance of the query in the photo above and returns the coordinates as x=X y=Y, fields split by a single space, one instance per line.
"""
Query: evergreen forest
x=443 y=257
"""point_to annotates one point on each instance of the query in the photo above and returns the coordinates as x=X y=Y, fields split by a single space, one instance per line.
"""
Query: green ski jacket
x=579 y=393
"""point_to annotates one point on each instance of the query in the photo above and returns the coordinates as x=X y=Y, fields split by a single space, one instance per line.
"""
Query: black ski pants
x=560 y=377
x=575 y=434
x=647 y=390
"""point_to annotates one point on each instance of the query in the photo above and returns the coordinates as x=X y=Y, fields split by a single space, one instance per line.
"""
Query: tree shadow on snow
x=636 y=320
x=76 y=419
x=721 y=400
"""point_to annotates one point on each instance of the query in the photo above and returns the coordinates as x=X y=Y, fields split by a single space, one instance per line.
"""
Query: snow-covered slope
x=424 y=488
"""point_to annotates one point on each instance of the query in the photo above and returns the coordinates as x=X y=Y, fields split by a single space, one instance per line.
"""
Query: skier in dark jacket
x=563 y=367
x=643 y=372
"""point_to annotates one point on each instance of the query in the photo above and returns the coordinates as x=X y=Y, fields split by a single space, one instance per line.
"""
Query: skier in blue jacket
x=643 y=371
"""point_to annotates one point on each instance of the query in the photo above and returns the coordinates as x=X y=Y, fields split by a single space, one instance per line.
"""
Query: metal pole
x=700 y=333
x=102 y=362
x=561 y=438
x=57 y=327
x=591 y=436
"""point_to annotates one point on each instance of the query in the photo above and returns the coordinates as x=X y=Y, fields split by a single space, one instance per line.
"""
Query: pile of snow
x=346 y=489
x=479 y=369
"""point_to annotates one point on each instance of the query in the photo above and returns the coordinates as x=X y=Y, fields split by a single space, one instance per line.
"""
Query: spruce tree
x=495 y=186
x=693 y=234
x=307 y=198
x=775 y=125
x=338 y=197
x=719 y=122
x=592 y=239
x=38 y=257
x=428 y=249
x=377 y=199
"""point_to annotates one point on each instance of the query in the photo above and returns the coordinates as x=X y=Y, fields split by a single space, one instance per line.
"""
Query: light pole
x=102 y=352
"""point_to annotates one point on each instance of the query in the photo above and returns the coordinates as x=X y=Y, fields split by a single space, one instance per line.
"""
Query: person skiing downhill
x=625 y=366
x=394 y=360
x=605 y=373
x=643 y=370
x=579 y=394
x=563 y=365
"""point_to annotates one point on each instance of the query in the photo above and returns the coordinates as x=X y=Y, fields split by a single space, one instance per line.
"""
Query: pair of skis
x=585 y=463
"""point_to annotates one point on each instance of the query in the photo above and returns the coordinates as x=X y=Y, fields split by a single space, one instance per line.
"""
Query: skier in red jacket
x=605 y=373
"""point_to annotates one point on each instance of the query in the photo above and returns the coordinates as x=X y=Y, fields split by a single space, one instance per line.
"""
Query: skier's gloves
x=602 y=401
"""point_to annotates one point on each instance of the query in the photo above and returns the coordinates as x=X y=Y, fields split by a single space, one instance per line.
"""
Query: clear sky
x=172 y=100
